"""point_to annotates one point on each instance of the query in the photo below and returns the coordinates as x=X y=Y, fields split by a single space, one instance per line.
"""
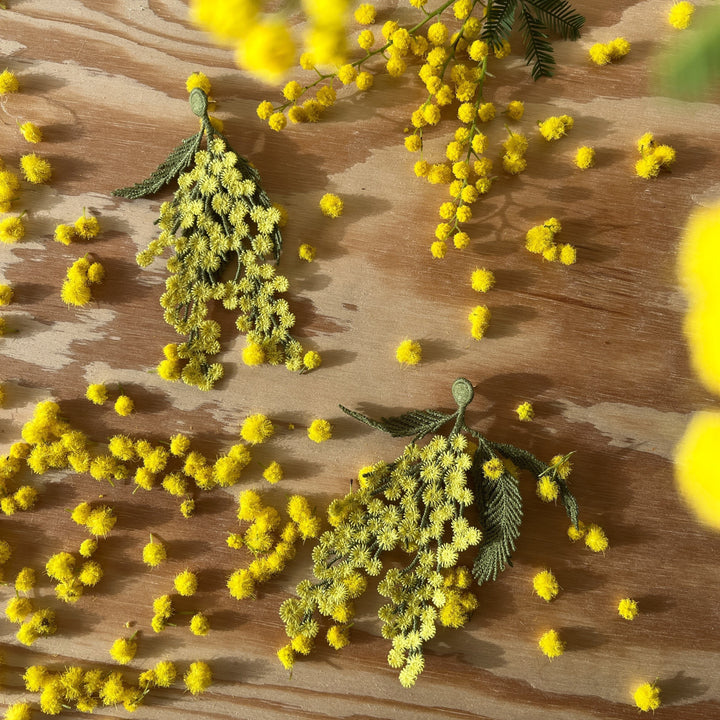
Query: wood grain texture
x=596 y=347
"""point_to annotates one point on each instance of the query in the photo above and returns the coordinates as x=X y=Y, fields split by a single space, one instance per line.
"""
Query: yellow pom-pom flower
x=331 y=205
x=680 y=14
x=256 y=429
x=595 y=538
x=306 y=252
x=123 y=650
x=409 y=352
x=36 y=170
x=482 y=280
x=31 y=132
x=697 y=472
x=319 y=431
x=286 y=656
x=186 y=583
x=253 y=354
x=199 y=624
x=312 y=360
x=12 y=229
x=525 y=411
x=551 y=645
x=198 y=80
x=545 y=585
x=198 y=678
x=87 y=227
x=8 y=83
x=154 y=553
x=585 y=157
x=124 y=405
x=647 y=697
x=628 y=609
x=273 y=473
x=96 y=393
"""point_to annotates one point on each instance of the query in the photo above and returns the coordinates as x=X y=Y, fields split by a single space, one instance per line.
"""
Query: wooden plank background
x=596 y=347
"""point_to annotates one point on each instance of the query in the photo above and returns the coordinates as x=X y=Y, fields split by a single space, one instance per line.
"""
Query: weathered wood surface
x=597 y=348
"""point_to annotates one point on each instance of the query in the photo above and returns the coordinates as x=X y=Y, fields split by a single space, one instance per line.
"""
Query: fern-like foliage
x=179 y=159
x=416 y=423
x=537 y=18
x=502 y=515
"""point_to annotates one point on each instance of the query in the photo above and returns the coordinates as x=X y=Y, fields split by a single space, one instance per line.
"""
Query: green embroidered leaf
x=501 y=507
x=559 y=16
x=166 y=172
x=417 y=423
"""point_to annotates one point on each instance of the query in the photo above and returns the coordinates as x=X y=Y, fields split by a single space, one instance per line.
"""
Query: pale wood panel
x=596 y=347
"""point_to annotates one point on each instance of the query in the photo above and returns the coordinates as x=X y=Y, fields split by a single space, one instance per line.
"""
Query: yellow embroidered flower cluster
x=208 y=224
x=408 y=505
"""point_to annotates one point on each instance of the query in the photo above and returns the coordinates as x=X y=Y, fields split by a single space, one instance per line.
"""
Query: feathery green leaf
x=166 y=172
x=501 y=508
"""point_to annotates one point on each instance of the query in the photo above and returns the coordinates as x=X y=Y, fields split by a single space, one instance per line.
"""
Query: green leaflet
x=179 y=159
x=501 y=518
x=417 y=423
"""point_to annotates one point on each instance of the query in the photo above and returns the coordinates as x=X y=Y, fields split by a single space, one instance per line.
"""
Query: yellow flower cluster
x=319 y=430
x=540 y=240
x=604 y=53
x=697 y=474
x=555 y=127
x=85 y=227
x=272 y=547
x=263 y=39
x=80 y=275
x=628 y=609
x=653 y=157
x=647 y=697
x=525 y=411
x=86 y=689
x=585 y=157
x=220 y=212
x=123 y=650
x=479 y=318
x=414 y=505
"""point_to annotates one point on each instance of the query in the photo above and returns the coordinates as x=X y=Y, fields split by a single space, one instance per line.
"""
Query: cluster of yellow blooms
x=272 y=548
x=653 y=157
x=604 y=53
x=85 y=690
x=697 y=473
x=80 y=275
x=219 y=216
x=263 y=37
x=417 y=505
x=386 y=513
x=540 y=240
x=86 y=227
